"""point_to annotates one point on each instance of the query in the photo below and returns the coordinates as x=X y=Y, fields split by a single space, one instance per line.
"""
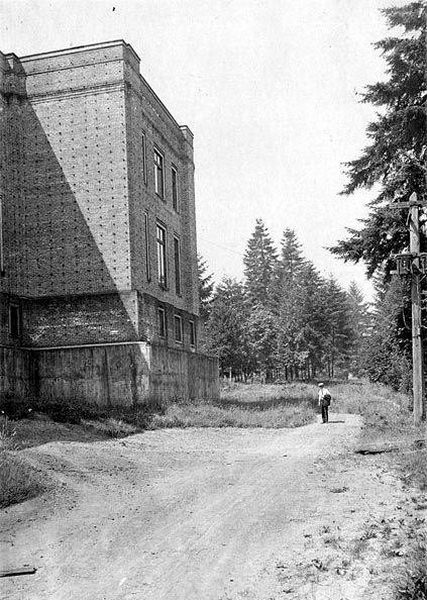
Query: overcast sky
x=268 y=87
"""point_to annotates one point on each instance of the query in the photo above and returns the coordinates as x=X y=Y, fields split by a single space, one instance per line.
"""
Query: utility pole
x=414 y=264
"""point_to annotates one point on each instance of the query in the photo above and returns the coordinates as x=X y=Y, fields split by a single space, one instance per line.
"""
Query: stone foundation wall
x=126 y=375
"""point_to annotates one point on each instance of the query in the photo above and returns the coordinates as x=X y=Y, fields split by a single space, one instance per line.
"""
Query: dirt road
x=198 y=514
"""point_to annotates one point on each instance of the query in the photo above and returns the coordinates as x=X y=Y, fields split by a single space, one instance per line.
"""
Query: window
x=192 y=333
x=147 y=247
x=178 y=329
x=158 y=173
x=143 y=159
x=177 y=259
x=161 y=254
x=14 y=321
x=175 y=189
x=162 y=322
x=2 y=273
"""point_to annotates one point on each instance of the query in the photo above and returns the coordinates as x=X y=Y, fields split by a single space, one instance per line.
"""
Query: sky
x=271 y=90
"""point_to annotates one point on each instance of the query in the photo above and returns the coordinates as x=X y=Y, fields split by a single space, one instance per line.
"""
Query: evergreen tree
x=260 y=263
x=206 y=287
x=262 y=338
x=337 y=327
x=227 y=329
x=386 y=349
x=360 y=326
x=311 y=335
x=287 y=303
x=395 y=157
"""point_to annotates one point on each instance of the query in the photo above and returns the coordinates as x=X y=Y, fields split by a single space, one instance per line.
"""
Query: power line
x=221 y=246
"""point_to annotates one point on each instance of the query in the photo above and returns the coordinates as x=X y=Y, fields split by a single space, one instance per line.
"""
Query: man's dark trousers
x=325 y=415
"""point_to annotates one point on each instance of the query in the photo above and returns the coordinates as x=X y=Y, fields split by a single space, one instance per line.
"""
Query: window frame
x=178 y=319
x=177 y=264
x=175 y=188
x=2 y=271
x=144 y=156
x=193 y=337
x=161 y=247
x=162 y=322
x=159 y=167
x=147 y=247
x=15 y=333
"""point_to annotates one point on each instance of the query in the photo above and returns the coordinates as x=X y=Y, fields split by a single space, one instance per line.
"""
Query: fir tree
x=262 y=338
x=360 y=326
x=385 y=352
x=287 y=303
x=311 y=336
x=206 y=287
x=395 y=157
x=337 y=327
x=260 y=264
x=227 y=329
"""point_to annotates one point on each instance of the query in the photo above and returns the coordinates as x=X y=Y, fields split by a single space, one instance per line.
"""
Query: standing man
x=324 y=402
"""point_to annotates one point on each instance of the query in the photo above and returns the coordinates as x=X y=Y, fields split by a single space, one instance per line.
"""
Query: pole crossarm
x=413 y=201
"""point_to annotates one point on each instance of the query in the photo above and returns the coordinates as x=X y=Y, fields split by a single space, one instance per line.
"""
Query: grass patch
x=18 y=481
x=413 y=582
x=266 y=395
x=111 y=427
x=211 y=415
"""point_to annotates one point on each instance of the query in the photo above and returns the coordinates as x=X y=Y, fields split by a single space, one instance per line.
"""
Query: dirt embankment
x=209 y=514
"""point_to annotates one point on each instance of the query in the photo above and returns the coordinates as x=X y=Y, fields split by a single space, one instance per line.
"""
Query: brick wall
x=80 y=211
x=147 y=116
x=69 y=232
x=149 y=324
x=82 y=319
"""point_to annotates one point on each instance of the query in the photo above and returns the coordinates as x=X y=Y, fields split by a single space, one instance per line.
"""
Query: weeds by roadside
x=211 y=415
x=388 y=420
x=18 y=481
x=413 y=585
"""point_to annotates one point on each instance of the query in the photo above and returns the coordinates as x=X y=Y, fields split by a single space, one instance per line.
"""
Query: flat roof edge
x=76 y=49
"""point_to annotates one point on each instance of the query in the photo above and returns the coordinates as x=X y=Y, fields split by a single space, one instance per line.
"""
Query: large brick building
x=98 y=233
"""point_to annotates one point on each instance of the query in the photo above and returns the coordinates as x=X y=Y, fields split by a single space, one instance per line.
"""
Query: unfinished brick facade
x=83 y=194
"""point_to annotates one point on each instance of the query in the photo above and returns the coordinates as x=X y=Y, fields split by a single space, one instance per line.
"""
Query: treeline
x=284 y=321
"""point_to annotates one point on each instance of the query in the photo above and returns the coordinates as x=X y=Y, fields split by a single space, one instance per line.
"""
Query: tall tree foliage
x=337 y=333
x=395 y=156
x=287 y=303
x=227 y=330
x=260 y=263
x=385 y=355
x=206 y=287
x=359 y=325
x=286 y=320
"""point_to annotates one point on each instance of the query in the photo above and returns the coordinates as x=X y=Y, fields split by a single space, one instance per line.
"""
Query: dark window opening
x=177 y=258
x=14 y=321
x=147 y=248
x=175 y=189
x=192 y=333
x=143 y=159
x=158 y=174
x=162 y=322
x=178 y=329
x=161 y=255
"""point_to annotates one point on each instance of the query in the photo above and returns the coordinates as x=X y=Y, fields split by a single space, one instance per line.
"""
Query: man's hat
x=320 y=384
